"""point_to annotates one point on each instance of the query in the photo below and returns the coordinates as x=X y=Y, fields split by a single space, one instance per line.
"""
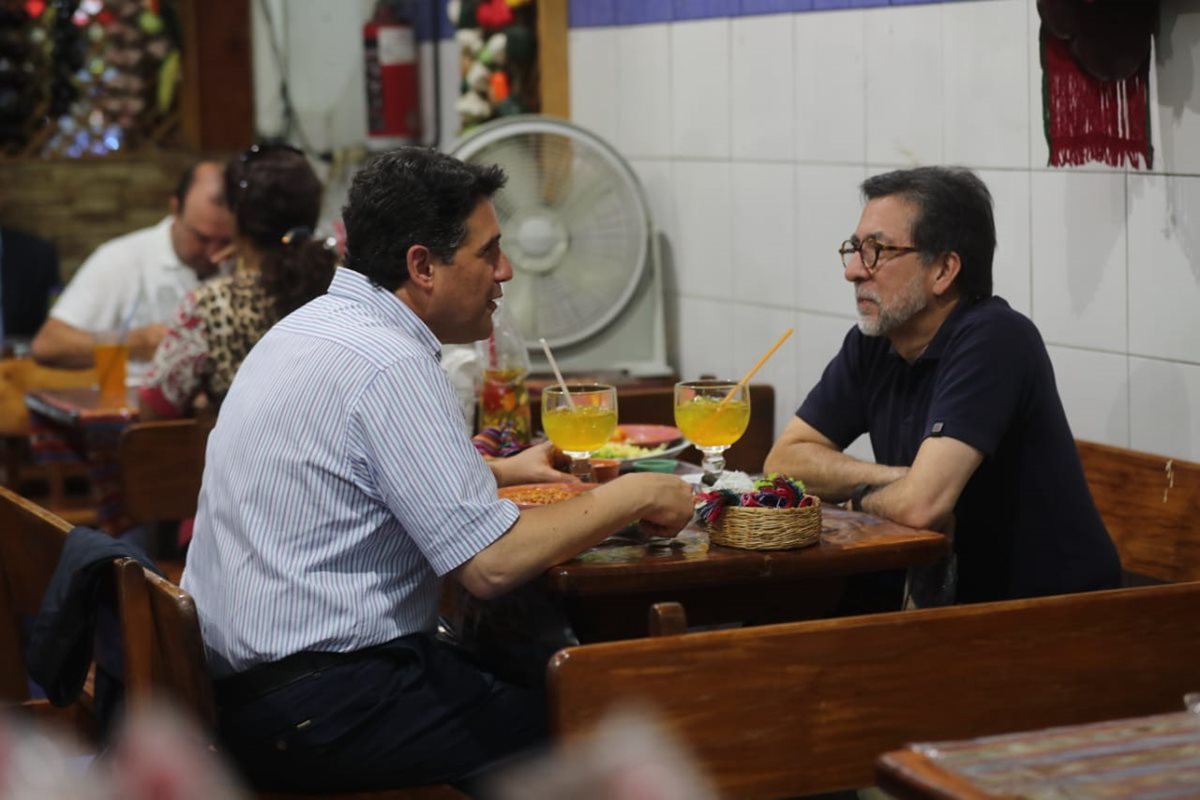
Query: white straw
x=123 y=333
x=557 y=373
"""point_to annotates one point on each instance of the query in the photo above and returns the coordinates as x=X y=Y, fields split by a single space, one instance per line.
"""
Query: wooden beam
x=552 y=58
x=217 y=92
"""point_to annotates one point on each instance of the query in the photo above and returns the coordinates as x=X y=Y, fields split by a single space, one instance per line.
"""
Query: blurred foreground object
x=627 y=757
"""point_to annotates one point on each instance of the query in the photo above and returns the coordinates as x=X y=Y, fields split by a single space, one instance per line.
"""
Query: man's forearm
x=58 y=344
x=827 y=473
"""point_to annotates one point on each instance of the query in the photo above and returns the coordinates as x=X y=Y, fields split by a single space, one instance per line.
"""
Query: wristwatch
x=857 y=495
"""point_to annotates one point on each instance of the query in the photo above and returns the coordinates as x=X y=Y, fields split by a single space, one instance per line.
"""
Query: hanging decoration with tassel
x=1095 y=83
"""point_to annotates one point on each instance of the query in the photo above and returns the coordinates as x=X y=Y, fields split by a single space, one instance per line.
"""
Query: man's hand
x=142 y=342
x=925 y=497
x=671 y=502
x=539 y=464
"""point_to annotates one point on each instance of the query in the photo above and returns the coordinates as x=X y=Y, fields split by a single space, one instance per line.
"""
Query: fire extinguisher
x=390 y=51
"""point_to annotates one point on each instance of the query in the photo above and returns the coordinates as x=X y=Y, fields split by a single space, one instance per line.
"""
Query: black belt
x=257 y=681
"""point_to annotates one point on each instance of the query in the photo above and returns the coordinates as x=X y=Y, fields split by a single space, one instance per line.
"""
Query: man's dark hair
x=954 y=214
x=407 y=197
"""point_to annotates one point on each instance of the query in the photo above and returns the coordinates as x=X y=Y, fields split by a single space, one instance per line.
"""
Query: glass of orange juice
x=712 y=415
x=579 y=420
x=111 y=354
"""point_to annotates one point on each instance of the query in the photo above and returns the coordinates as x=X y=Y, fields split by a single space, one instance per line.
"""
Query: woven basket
x=768 y=528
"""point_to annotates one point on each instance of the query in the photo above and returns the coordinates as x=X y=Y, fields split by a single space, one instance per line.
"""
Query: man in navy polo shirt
x=958 y=395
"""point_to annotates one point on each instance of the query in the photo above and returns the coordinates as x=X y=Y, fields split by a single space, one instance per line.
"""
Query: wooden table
x=1157 y=756
x=69 y=424
x=608 y=590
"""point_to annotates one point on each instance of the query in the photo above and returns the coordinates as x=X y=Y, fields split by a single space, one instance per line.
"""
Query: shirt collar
x=163 y=251
x=937 y=345
x=384 y=304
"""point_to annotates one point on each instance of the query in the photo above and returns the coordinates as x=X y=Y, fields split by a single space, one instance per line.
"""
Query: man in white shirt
x=136 y=281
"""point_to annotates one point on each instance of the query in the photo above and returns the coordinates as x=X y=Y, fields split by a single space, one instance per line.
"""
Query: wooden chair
x=18 y=376
x=799 y=708
x=161 y=466
x=31 y=541
x=164 y=657
x=1151 y=507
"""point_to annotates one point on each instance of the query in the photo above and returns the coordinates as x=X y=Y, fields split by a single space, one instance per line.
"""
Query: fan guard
x=574 y=221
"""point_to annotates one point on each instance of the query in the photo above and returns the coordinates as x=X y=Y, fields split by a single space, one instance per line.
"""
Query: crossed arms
x=920 y=496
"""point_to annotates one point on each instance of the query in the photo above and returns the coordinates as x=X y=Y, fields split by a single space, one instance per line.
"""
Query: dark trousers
x=407 y=713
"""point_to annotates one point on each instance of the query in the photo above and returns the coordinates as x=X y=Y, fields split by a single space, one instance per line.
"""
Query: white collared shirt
x=338 y=487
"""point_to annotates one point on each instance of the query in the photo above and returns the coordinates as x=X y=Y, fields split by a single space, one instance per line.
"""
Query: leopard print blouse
x=214 y=329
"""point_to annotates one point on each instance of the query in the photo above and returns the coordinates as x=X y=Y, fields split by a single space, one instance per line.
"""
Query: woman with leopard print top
x=275 y=197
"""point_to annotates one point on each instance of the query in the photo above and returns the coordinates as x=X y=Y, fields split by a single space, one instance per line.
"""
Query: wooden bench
x=1151 y=507
x=31 y=541
x=164 y=658
x=799 y=708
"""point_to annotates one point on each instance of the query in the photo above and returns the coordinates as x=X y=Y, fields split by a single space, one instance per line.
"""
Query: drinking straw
x=557 y=373
x=755 y=368
x=127 y=324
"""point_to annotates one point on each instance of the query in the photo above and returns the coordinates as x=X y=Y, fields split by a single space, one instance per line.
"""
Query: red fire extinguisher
x=390 y=50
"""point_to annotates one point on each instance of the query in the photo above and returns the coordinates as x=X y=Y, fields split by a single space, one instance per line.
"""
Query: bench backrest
x=1151 y=507
x=161 y=466
x=31 y=541
x=782 y=710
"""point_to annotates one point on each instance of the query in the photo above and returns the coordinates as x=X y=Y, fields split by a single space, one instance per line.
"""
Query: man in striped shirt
x=340 y=488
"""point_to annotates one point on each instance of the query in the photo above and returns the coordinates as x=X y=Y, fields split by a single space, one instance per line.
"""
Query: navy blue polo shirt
x=1026 y=524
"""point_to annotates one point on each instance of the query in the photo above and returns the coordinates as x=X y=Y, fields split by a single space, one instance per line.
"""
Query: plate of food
x=530 y=495
x=647 y=435
x=627 y=453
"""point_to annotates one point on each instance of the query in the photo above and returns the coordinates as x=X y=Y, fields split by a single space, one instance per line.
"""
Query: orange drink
x=110 y=367
x=707 y=423
x=581 y=429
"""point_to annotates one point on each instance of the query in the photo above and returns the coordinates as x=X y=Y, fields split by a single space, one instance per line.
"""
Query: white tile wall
x=704 y=212
x=1094 y=388
x=772 y=121
x=755 y=329
x=763 y=215
x=1178 y=111
x=1164 y=408
x=705 y=337
x=1011 y=271
x=1078 y=236
x=644 y=112
x=1164 y=267
x=761 y=77
x=828 y=205
x=984 y=88
x=904 y=91
x=699 y=87
x=592 y=60
x=830 y=78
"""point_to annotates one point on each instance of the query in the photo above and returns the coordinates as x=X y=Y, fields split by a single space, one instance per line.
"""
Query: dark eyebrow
x=488 y=245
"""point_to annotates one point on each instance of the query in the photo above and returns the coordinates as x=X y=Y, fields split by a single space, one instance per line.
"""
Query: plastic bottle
x=503 y=396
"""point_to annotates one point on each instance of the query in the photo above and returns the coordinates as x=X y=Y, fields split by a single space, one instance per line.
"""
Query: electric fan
x=576 y=227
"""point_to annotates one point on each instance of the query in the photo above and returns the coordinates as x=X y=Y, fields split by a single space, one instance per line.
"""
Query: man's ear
x=420 y=266
x=946 y=271
x=174 y=204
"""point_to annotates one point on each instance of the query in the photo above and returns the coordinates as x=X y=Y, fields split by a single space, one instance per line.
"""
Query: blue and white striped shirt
x=338 y=486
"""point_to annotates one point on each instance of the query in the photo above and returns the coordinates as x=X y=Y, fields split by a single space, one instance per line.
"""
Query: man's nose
x=504 y=269
x=855 y=271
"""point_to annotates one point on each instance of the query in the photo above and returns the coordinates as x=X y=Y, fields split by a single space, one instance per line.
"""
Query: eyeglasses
x=868 y=250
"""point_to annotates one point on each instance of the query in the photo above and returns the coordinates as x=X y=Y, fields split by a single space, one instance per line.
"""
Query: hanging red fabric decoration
x=1095 y=88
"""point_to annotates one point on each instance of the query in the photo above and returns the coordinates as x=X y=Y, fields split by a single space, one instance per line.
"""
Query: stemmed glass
x=712 y=419
x=580 y=420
